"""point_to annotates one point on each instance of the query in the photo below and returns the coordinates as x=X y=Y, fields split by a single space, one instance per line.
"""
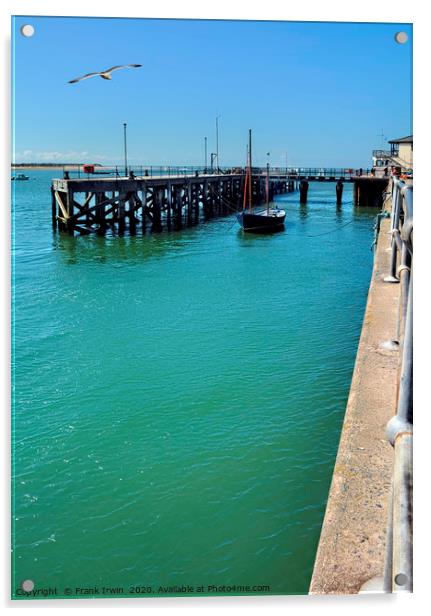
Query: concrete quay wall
x=351 y=549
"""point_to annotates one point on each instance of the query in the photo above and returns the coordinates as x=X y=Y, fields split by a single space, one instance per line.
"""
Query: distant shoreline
x=30 y=166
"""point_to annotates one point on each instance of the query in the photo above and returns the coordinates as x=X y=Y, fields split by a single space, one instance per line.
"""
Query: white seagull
x=105 y=74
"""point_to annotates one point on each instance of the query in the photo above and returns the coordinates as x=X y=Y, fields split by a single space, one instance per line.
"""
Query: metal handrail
x=382 y=153
x=193 y=170
x=398 y=572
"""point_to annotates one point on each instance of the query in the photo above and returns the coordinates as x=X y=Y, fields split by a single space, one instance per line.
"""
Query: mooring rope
x=236 y=210
x=228 y=204
x=332 y=230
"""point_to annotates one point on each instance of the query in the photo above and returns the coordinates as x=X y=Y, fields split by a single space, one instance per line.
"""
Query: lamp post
x=218 y=164
x=206 y=155
x=125 y=148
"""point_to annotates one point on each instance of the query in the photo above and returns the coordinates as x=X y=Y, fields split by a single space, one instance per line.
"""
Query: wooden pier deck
x=94 y=205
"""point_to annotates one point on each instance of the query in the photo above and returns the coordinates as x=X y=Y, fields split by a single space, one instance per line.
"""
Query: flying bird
x=105 y=74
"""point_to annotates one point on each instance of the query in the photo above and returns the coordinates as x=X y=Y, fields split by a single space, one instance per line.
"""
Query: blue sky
x=319 y=91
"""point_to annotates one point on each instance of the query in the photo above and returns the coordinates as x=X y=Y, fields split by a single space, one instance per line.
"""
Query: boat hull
x=262 y=222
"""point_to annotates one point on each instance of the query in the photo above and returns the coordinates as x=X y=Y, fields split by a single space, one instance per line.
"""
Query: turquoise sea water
x=178 y=398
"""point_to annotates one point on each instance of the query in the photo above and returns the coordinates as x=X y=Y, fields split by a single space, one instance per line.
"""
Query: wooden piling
x=131 y=214
x=196 y=203
x=178 y=208
x=121 y=214
x=144 y=209
x=99 y=214
x=303 y=191
x=157 y=213
x=53 y=208
x=339 y=192
x=168 y=207
x=205 y=203
x=70 y=211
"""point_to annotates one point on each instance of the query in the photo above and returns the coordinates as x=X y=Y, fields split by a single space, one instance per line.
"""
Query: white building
x=400 y=154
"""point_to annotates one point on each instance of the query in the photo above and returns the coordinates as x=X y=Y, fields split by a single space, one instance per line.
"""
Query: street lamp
x=125 y=148
x=206 y=161
x=218 y=164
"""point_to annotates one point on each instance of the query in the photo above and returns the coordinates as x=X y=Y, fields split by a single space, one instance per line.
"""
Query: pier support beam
x=339 y=192
x=131 y=213
x=303 y=191
x=196 y=208
x=99 y=213
x=205 y=201
x=121 y=213
x=143 y=210
x=157 y=211
x=70 y=212
x=53 y=208
x=178 y=209
x=169 y=207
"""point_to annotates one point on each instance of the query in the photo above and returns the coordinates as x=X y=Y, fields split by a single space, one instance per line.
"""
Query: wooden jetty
x=98 y=204
x=94 y=205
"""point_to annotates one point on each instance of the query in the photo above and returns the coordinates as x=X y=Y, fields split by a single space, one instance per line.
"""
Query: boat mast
x=244 y=203
x=250 y=185
x=267 y=187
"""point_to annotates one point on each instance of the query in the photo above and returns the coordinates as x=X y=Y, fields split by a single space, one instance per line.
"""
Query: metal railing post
x=400 y=435
x=398 y=569
x=397 y=197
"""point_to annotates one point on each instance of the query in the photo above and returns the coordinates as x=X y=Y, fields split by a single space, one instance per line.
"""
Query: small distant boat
x=264 y=221
x=20 y=176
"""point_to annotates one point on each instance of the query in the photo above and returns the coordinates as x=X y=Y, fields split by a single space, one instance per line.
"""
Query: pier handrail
x=398 y=570
x=150 y=171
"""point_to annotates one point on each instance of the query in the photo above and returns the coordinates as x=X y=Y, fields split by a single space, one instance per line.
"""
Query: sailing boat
x=264 y=221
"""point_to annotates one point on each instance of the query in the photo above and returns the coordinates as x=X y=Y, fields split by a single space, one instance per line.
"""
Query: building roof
x=408 y=139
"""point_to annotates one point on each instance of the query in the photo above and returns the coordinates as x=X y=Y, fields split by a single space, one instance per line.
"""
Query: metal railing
x=151 y=171
x=382 y=153
x=145 y=171
x=317 y=172
x=398 y=572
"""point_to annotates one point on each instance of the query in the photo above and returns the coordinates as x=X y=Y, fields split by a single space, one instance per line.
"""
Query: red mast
x=250 y=180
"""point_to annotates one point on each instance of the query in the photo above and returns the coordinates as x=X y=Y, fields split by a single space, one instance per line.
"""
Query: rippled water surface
x=178 y=398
